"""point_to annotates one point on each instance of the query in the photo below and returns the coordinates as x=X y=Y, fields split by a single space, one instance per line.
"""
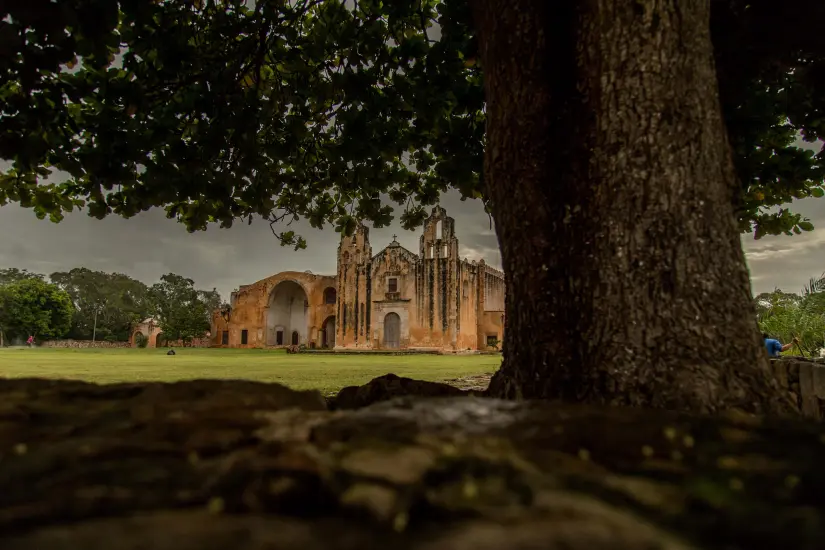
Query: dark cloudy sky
x=149 y=245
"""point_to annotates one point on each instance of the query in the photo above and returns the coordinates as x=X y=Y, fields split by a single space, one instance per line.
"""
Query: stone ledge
x=804 y=380
x=249 y=466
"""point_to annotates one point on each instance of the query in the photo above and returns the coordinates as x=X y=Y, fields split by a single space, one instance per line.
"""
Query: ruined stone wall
x=253 y=311
x=804 y=382
x=219 y=325
x=150 y=331
x=491 y=325
x=494 y=289
x=83 y=344
x=156 y=339
x=467 y=290
x=490 y=293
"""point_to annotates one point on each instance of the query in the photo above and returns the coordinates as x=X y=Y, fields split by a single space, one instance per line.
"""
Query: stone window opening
x=392 y=284
x=330 y=296
x=295 y=338
x=432 y=252
x=225 y=338
x=244 y=337
x=438 y=232
x=444 y=251
x=492 y=340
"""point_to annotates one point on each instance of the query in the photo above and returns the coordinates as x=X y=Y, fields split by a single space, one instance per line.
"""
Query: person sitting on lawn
x=775 y=347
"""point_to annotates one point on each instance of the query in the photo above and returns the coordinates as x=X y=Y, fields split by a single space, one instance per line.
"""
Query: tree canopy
x=13 y=275
x=181 y=311
x=107 y=305
x=33 y=307
x=221 y=111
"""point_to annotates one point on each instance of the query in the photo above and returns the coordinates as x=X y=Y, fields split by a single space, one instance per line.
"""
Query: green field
x=300 y=371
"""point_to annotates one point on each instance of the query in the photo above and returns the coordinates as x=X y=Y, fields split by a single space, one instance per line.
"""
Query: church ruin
x=395 y=299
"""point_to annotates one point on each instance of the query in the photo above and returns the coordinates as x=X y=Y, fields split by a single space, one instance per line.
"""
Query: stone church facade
x=395 y=299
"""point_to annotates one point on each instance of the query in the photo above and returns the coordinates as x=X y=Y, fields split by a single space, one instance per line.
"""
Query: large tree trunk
x=611 y=180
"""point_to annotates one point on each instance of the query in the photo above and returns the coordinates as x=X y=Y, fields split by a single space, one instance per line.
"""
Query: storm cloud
x=149 y=245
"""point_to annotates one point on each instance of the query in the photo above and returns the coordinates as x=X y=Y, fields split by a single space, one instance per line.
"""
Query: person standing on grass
x=30 y=341
x=775 y=347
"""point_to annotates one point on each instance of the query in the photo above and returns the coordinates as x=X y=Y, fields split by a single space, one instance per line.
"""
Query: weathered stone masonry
x=395 y=299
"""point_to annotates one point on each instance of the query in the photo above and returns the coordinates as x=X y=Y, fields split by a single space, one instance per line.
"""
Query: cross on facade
x=394 y=237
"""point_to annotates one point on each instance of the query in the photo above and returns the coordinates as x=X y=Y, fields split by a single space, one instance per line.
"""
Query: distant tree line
x=83 y=304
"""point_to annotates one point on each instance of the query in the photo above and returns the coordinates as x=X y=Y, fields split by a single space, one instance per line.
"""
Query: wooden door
x=392 y=331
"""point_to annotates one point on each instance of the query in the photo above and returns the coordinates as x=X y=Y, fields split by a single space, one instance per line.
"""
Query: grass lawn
x=327 y=373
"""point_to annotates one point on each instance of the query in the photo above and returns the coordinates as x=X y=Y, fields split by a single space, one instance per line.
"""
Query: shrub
x=141 y=341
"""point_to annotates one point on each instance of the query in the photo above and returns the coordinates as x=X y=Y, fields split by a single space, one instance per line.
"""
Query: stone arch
x=286 y=314
x=160 y=340
x=328 y=332
x=330 y=295
x=136 y=338
x=392 y=331
x=296 y=338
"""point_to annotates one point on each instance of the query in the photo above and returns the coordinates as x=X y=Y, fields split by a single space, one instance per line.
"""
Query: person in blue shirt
x=774 y=346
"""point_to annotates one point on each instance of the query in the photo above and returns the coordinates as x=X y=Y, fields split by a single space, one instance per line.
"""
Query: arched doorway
x=287 y=314
x=328 y=332
x=137 y=338
x=296 y=338
x=160 y=340
x=392 y=331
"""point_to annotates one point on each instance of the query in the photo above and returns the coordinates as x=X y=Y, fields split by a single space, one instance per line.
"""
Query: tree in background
x=212 y=300
x=13 y=275
x=181 y=311
x=786 y=315
x=617 y=225
x=107 y=305
x=771 y=303
x=33 y=307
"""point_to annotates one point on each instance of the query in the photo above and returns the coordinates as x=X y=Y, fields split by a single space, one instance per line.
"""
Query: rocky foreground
x=242 y=466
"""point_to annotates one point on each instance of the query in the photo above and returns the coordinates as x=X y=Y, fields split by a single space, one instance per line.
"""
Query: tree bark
x=611 y=182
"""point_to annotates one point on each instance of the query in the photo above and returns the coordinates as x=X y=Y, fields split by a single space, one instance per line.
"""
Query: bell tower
x=439 y=260
x=352 y=311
